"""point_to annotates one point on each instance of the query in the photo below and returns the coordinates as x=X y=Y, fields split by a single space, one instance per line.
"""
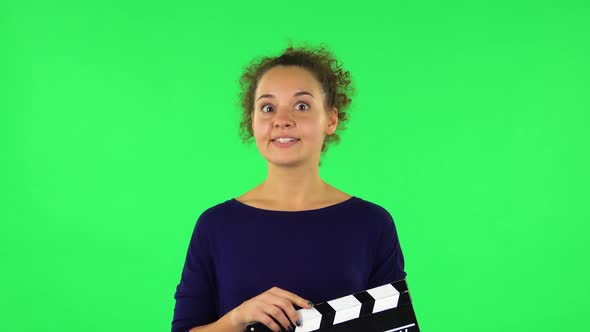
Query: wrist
x=232 y=320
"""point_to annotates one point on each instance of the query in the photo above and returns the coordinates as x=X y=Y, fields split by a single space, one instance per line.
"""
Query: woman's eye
x=305 y=106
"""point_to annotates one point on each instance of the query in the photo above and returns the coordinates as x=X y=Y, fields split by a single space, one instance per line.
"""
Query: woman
x=293 y=240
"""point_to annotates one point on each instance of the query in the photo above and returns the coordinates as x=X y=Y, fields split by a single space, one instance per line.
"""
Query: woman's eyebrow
x=295 y=95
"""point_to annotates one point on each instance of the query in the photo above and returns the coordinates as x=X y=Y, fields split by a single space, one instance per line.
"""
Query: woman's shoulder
x=214 y=212
x=371 y=206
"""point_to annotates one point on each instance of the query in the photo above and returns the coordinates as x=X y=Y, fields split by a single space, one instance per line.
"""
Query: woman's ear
x=332 y=121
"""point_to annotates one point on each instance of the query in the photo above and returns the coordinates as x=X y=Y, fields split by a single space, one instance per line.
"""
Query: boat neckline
x=333 y=206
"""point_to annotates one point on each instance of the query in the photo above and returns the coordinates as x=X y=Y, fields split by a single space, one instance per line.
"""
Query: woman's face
x=289 y=102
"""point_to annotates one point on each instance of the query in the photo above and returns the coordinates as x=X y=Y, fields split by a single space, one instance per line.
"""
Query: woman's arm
x=223 y=324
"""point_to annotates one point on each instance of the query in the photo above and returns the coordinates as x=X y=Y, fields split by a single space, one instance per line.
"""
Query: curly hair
x=335 y=83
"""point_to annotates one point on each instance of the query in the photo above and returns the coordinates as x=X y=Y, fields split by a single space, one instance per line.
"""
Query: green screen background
x=119 y=126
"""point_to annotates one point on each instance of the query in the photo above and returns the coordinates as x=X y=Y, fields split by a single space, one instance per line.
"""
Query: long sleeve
x=389 y=259
x=195 y=295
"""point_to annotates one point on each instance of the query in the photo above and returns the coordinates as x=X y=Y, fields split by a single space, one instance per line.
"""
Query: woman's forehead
x=281 y=80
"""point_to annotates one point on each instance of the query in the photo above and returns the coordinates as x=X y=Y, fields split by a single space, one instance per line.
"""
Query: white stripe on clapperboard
x=400 y=328
x=348 y=307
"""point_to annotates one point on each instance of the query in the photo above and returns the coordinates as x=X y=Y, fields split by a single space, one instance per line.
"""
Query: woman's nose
x=283 y=117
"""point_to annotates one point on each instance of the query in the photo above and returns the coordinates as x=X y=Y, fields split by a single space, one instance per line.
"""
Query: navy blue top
x=238 y=251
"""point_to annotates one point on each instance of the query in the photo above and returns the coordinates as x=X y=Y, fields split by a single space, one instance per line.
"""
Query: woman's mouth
x=284 y=143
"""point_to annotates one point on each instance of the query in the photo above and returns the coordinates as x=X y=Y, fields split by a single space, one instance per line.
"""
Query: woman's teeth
x=285 y=140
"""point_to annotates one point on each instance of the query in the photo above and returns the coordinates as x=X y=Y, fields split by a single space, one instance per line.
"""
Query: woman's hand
x=275 y=303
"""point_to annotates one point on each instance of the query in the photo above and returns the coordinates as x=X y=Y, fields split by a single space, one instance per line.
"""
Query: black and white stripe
x=386 y=308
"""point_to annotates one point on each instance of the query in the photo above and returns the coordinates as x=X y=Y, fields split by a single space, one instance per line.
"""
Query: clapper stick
x=386 y=308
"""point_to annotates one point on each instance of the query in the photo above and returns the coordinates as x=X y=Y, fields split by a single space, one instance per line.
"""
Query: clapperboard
x=386 y=308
